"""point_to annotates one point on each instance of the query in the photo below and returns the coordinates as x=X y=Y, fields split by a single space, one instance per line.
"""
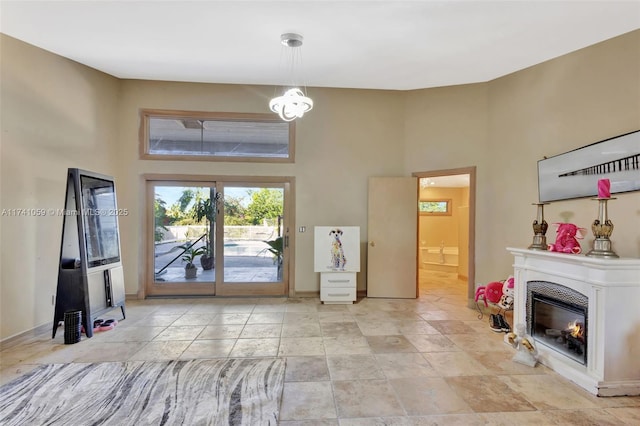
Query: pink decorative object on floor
x=604 y=188
x=104 y=325
x=508 y=292
x=497 y=293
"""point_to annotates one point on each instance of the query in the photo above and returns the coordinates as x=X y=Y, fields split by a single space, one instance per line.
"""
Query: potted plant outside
x=276 y=248
x=205 y=208
x=207 y=261
x=189 y=255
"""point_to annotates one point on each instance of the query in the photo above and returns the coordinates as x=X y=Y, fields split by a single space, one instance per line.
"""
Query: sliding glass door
x=252 y=244
x=217 y=237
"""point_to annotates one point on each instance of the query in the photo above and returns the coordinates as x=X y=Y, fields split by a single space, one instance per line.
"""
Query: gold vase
x=540 y=227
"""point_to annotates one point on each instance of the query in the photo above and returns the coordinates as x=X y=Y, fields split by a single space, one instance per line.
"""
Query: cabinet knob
x=372 y=243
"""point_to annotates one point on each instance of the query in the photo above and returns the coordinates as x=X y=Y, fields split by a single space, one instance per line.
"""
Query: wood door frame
x=147 y=224
x=232 y=289
x=471 y=171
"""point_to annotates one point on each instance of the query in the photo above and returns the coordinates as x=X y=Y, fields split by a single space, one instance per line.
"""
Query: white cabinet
x=337 y=258
x=338 y=287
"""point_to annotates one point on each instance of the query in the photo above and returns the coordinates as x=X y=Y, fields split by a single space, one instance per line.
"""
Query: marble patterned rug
x=197 y=392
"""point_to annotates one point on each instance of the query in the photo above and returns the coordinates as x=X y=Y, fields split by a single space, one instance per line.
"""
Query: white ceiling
x=396 y=45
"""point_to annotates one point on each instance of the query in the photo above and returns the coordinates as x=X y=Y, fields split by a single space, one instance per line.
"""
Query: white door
x=392 y=233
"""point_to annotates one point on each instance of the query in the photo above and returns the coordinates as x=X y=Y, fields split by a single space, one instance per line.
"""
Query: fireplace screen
x=560 y=325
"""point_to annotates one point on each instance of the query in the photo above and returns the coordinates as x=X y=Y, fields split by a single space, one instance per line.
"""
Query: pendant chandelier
x=294 y=102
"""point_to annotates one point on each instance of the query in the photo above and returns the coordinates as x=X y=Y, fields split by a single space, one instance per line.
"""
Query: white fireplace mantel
x=613 y=340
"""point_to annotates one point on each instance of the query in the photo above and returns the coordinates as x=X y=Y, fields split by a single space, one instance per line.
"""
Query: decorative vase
x=207 y=262
x=190 y=271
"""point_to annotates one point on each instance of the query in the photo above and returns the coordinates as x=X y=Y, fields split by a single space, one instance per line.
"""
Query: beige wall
x=58 y=114
x=436 y=230
x=505 y=126
x=447 y=128
x=333 y=161
x=55 y=114
x=548 y=109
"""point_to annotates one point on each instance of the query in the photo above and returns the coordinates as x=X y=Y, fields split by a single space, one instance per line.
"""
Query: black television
x=99 y=212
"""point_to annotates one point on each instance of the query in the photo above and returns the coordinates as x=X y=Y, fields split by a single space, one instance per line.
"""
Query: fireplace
x=558 y=324
x=583 y=315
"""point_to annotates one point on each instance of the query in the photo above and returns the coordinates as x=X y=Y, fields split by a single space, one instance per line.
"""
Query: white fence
x=190 y=232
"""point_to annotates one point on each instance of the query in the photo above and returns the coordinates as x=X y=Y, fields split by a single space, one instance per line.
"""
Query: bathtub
x=439 y=258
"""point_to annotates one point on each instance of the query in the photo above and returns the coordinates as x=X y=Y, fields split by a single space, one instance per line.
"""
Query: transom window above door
x=215 y=136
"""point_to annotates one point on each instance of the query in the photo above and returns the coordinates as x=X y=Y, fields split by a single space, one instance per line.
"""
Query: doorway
x=446 y=227
x=217 y=236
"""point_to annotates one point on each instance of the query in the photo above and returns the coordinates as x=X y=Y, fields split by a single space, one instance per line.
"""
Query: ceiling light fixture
x=294 y=102
x=426 y=182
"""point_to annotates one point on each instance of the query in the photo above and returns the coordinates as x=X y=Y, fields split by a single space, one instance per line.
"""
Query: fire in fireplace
x=560 y=325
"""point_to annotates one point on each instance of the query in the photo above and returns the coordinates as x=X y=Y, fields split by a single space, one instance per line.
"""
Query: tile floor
x=429 y=361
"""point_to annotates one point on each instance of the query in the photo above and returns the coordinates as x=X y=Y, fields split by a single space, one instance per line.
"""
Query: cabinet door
x=338 y=295
x=117 y=286
x=97 y=292
x=338 y=279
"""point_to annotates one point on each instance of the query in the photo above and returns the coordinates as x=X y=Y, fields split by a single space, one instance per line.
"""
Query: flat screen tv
x=100 y=217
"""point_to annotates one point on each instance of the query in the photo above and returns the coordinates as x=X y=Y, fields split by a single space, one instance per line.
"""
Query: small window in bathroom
x=435 y=207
